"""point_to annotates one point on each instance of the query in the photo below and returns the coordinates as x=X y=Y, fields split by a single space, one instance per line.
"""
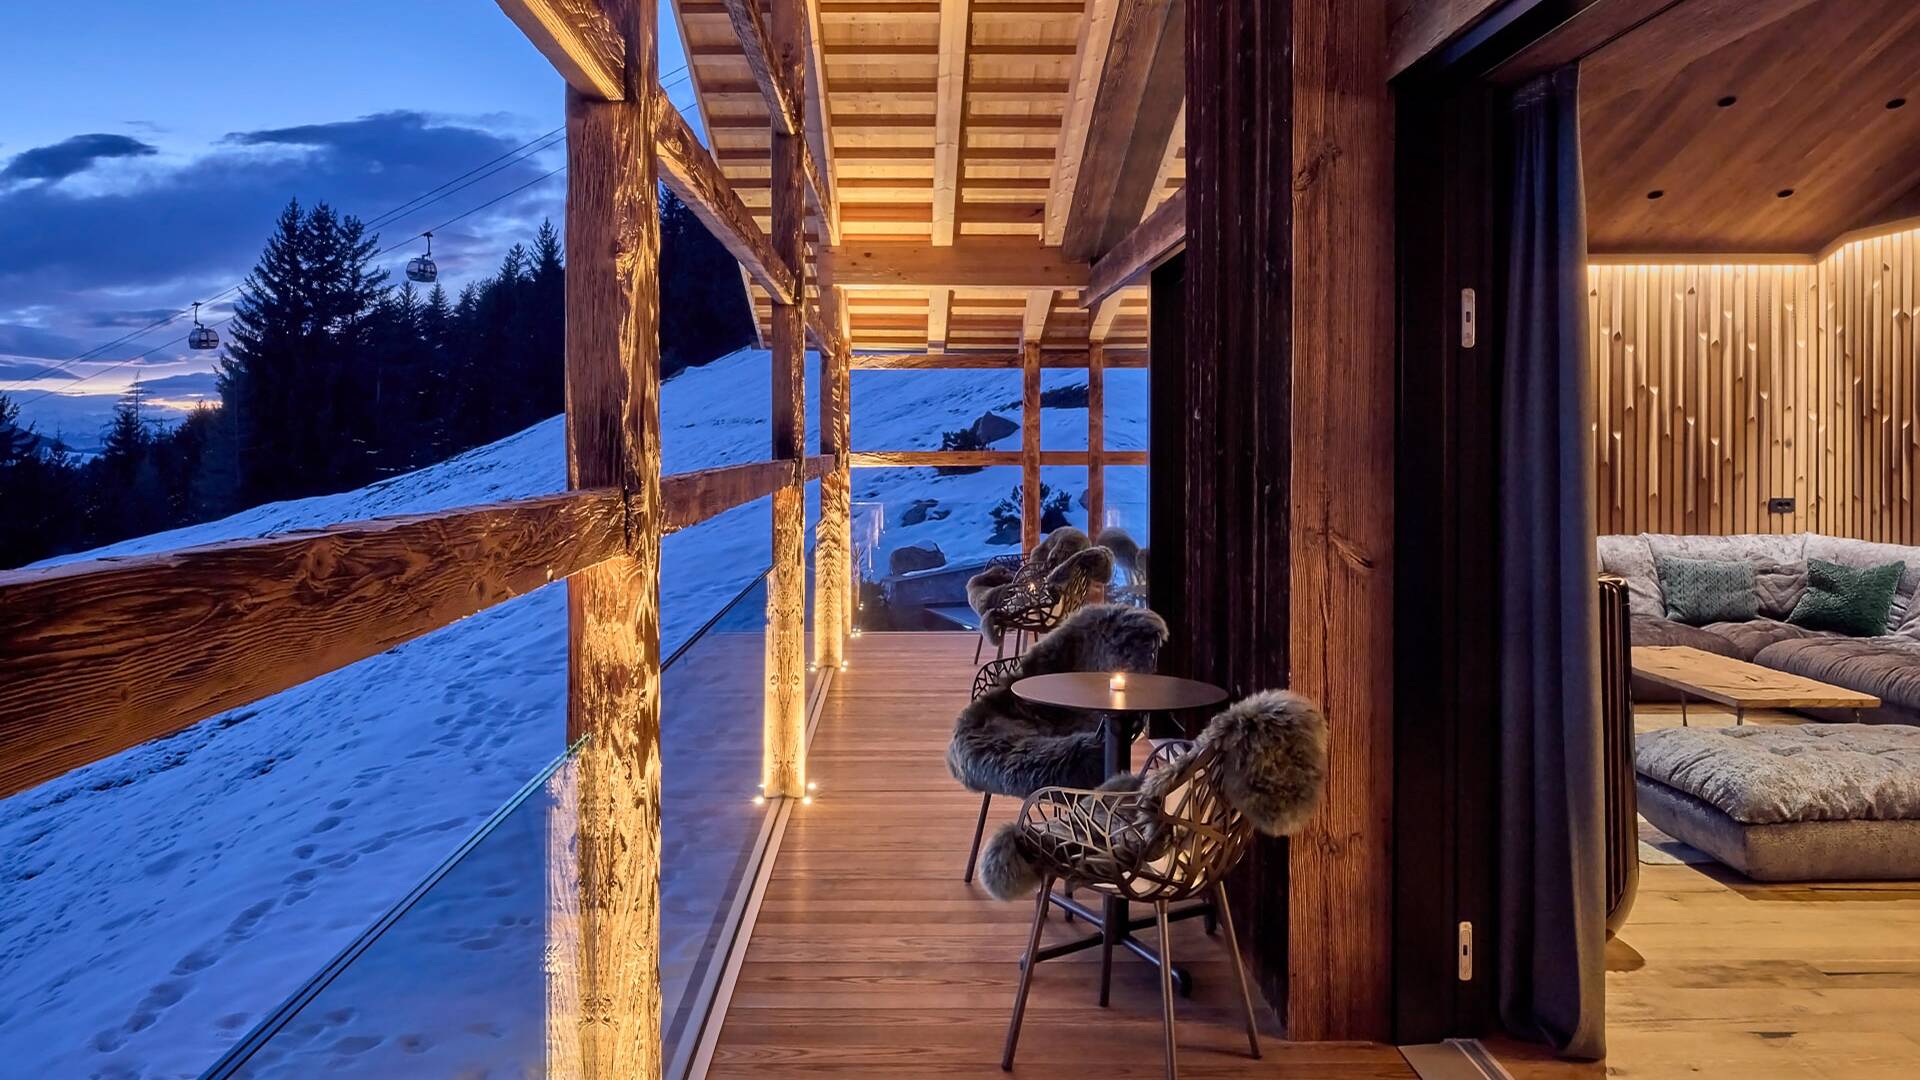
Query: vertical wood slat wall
x=1721 y=386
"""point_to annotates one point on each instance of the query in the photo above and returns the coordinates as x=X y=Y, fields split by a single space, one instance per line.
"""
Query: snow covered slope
x=153 y=906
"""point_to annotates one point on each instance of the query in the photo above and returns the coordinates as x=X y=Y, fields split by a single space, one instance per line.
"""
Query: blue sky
x=145 y=151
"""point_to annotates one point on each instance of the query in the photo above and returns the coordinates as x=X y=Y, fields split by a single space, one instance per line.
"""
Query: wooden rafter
x=691 y=172
x=785 y=105
x=578 y=39
x=1100 y=325
x=939 y=308
x=1033 y=323
x=918 y=267
x=1090 y=61
x=1133 y=117
x=1151 y=243
x=990 y=361
x=950 y=107
x=819 y=123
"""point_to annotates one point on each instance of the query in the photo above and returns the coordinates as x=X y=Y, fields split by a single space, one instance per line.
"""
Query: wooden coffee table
x=1738 y=684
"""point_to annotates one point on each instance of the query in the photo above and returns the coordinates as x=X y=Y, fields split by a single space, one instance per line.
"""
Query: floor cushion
x=1795 y=802
x=1748 y=638
x=1886 y=667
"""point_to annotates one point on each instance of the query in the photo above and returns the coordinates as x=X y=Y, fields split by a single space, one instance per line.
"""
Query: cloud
x=36 y=342
x=175 y=386
x=74 y=155
x=127 y=320
x=13 y=370
x=100 y=256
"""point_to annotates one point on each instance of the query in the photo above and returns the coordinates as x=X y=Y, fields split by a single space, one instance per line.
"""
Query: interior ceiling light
x=1655 y=193
x=1896 y=103
x=1783 y=193
x=1727 y=102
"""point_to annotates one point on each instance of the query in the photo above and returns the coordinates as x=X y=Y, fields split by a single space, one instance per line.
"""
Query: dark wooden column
x=613 y=609
x=1096 y=437
x=1030 y=507
x=1288 y=473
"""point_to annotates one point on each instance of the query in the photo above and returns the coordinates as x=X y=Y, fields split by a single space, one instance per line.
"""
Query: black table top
x=1091 y=691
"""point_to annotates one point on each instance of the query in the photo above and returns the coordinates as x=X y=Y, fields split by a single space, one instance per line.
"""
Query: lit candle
x=1117 y=681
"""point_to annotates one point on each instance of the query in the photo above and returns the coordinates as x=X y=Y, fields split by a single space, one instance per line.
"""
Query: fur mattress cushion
x=1769 y=775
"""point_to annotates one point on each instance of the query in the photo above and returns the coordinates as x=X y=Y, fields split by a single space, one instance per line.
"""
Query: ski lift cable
x=681 y=74
x=181 y=340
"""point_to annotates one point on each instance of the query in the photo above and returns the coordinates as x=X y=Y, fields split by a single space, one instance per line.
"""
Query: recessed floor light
x=1655 y=194
x=1896 y=103
x=1783 y=193
x=1727 y=102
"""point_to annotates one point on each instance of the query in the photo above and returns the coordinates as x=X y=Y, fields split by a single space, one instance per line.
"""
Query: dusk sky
x=146 y=148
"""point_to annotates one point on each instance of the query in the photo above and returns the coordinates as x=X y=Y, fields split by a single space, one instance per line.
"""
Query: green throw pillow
x=1854 y=602
x=1701 y=591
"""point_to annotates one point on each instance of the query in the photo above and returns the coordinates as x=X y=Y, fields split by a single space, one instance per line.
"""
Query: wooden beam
x=939 y=308
x=784 y=768
x=1033 y=322
x=900 y=459
x=690 y=498
x=691 y=172
x=950 y=111
x=1340 y=926
x=984 y=361
x=613 y=609
x=1100 y=326
x=1151 y=243
x=1418 y=27
x=819 y=118
x=1133 y=117
x=578 y=39
x=1096 y=439
x=912 y=267
x=102 y=655
x=782 y=87
x=1030 y=447
x=833 y=532
x=1089 y=63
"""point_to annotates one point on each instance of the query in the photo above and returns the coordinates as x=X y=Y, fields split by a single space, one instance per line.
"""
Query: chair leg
x=977 y=646
x=1166 y=987
x=1108 y=936
x=1239 y=966
x=1027 y=964
x=979 y=829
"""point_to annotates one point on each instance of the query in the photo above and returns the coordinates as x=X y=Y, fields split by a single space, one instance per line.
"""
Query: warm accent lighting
x=806 y=800
x=759 y=800
x=1117 y=681
x=811 y=786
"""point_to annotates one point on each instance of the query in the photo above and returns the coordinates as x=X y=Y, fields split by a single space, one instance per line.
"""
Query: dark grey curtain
x=1553 y=859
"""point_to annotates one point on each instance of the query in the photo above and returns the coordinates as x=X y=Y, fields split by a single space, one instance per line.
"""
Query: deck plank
x=870 y=957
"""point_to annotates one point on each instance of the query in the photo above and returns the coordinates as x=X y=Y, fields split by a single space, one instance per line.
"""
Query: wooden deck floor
x=871 y=958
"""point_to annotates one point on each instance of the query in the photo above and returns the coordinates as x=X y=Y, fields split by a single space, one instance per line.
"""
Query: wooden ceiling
x=1724 y=105
x=952 y=134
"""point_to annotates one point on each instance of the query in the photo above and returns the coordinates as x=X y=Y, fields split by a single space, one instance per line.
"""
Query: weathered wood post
x=832 y=548
x=1096 y=437
x=1030 y=509
x=613 y=609
x=783 y=768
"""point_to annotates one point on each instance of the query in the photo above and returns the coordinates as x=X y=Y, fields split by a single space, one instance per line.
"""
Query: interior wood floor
x=1715 y=975
x=871 y=958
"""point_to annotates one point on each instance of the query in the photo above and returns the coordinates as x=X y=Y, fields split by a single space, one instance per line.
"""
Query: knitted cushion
x=1700 y=591
x=1853 y=602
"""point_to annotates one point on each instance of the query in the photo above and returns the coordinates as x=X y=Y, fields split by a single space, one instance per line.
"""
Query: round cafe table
x=1121 y=712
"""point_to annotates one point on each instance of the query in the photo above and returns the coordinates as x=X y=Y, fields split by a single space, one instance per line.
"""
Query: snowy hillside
x=155 y=905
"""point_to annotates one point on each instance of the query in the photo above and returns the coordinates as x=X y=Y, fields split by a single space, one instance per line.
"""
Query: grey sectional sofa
x=1886 y=666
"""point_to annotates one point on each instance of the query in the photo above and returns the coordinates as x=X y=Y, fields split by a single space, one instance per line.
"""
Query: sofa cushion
x=1744 y=547
x=1861 y=554
x=1766 y=774
x=1852 y=601
x=1886 y=667
x=1629 y=557
x=1700 y=591
x=1778 y=586
x=1656 y=630
x=1749 y=637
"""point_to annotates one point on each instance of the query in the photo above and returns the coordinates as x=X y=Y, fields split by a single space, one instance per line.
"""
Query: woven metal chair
x=989 y=678
x=1141 y=847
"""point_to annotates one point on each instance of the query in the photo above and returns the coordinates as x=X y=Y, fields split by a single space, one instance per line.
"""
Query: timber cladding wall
x=1723 y=385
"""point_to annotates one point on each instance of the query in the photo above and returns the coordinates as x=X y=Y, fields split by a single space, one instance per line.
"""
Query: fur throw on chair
x=1075 y=566
x=1005 y=746
x=1272 y=765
